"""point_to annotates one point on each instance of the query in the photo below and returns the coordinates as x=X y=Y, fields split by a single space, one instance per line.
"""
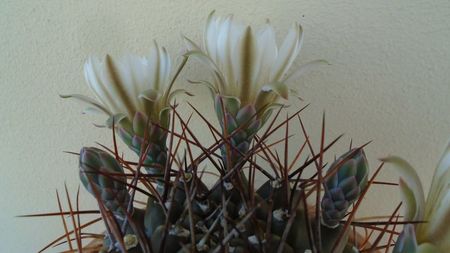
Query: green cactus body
x=240 y=124
x=298 y=235
x=346 y=179
x=207 y=214
x=103 y=176
x=144 y=136
x=175 y=238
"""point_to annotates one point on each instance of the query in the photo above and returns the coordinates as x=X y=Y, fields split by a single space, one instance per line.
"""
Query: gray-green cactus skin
x=346 y=178
x=141 y=135
x=240 y=125
x=274 y=191
x=103 y=177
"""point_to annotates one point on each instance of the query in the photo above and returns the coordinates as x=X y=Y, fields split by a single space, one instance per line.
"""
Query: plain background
x=389 y=82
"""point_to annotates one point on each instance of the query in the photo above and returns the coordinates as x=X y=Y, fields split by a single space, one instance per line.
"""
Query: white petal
x=267 y=48
x=411 y=180
x=117 y=83
x=210 y=35
x=288 y=52
x=92 y=72
x=166 y=67
x=278 y=88
x=155 y=66
x=441 y=177
x=409 y=201
x=134 y=77
x=430 y=248
x=115 y=75
x=236 y=53
x=224 y=45
x=237 y=34
x=438 y=201
x=92 y=110
x=96 y=106
x=438 y=223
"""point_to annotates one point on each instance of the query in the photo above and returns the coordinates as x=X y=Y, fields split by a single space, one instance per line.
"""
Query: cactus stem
x=357 y=204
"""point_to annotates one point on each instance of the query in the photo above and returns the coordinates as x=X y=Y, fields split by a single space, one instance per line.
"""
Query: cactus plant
x=182 y=212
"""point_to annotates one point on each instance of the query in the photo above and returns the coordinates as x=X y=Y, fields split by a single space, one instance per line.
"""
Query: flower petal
x=409 y=201
x=210 y=35
x=207 y=61
x=89 y=101
x=269 y=94
x=117 y=88
x=225 y=42
x=268 y=50
x=411 y=188
x=438 y=230
x=428 y=248
x=437 y=211
x=288 y=52
x=441 y=178
x=93 y=71
x=279 y=88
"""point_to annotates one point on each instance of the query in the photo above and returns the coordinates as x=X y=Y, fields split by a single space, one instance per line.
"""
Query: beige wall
x=389 y=82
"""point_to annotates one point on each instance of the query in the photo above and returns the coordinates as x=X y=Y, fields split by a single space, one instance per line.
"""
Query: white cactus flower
x=434 y=210
x=130 y=84
x=246 y=62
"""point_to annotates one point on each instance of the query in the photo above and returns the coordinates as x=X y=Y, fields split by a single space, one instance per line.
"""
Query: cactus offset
x=103 y=176
x=347 y=178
